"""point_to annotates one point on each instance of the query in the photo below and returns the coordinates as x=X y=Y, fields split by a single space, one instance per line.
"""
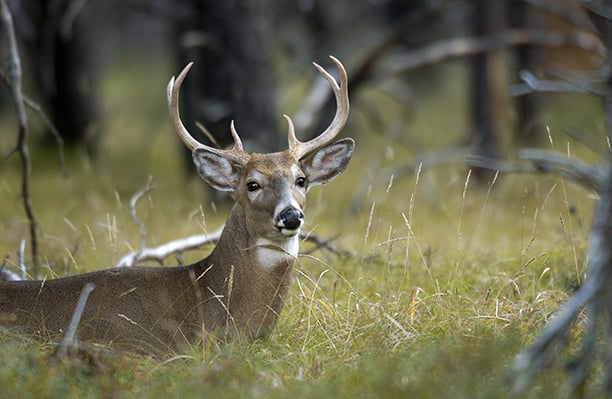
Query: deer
x=239 y=290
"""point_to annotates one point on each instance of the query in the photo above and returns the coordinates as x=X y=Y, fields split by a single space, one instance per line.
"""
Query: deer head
x=271 y=188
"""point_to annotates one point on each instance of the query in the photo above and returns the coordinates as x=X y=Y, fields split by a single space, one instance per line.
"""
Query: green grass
x=447 y=280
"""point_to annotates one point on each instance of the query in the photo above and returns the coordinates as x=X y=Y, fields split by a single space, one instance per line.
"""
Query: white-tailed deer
x=239 y=289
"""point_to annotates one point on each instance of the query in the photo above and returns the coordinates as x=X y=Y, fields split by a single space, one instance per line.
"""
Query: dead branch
x=21 y=260
x=163 y=251
x=543 y=161
x=594 y=294
x=465 y=46
x=531 y=84
x=7 y=275
x=69 y=342
x=15 y=75
x=325 y=244
x=133 y=202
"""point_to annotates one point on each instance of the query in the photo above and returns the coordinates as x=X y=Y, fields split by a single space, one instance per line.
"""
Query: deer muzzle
x=289 y=221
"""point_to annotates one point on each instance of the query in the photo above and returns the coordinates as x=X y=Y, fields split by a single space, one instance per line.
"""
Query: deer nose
x=290 y=219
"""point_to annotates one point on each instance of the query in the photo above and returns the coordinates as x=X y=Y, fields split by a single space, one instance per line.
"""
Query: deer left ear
x=215 y=169
x=328 y=162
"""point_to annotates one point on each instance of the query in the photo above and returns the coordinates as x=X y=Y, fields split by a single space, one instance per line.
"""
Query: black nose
x=290 y=218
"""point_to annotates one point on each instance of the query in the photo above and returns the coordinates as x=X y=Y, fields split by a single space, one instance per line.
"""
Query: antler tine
x=237 y=153
x=300 y=149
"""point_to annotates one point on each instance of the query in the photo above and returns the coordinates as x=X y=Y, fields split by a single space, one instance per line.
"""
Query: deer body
x=153 y=308
x=237 y=291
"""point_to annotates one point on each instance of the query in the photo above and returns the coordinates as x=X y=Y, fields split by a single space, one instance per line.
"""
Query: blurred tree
x=57 y=49
x=488 y=81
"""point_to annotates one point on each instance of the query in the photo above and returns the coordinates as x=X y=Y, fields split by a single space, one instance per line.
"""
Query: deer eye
x=300 y=181
x=253 y=186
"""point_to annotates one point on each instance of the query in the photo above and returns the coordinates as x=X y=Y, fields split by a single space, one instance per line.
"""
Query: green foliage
x=447 y=280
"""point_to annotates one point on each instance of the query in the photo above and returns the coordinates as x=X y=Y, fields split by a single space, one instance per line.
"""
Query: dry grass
x=447 y=279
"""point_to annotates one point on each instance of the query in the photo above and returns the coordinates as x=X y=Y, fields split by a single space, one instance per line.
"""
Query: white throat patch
x=269 y=254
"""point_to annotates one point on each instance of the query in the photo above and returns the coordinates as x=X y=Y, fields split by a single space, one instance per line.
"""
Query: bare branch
x=534 y=85
x=542 y=161
x=325 y=244
x=133 y=202
x=15 y=75
x=21 y=260
x=594 y=294
x=69 y=342
x=7 y=275
x=464 y=46
x=161 y=252
x=46 y=121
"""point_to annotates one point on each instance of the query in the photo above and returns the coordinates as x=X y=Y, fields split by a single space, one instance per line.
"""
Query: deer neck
x=253 y=274
x=240 y=245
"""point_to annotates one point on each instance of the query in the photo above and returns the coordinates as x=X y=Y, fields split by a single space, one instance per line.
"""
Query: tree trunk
x=232 y=77
x=488 y=19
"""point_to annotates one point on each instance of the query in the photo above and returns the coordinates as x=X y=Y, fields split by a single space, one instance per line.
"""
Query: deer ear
x=221 y=173
x=328 y=162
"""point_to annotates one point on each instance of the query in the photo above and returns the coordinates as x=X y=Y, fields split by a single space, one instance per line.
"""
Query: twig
x=68 y=341
x=325 y=244
x=46 y=121
x=531 y=84
x=133 y=202
x=21 y=259
x=15 y=75
x=7 y=275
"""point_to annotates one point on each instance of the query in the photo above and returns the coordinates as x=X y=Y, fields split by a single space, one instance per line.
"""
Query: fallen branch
x=326 y=244
x=69 y=342
x=542 y=161
x=7 y=275
x=158 y=254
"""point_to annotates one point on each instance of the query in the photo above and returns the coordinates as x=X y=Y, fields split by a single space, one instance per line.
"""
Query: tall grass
x=446 y=281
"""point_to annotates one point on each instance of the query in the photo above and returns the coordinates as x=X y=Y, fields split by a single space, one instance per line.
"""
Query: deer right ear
x=221 y=173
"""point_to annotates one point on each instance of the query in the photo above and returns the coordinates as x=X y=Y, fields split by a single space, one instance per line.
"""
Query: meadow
x=447 y=278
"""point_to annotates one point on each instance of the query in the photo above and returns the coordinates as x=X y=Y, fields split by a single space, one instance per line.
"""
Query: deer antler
x=300 y=149
x=236 y=153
